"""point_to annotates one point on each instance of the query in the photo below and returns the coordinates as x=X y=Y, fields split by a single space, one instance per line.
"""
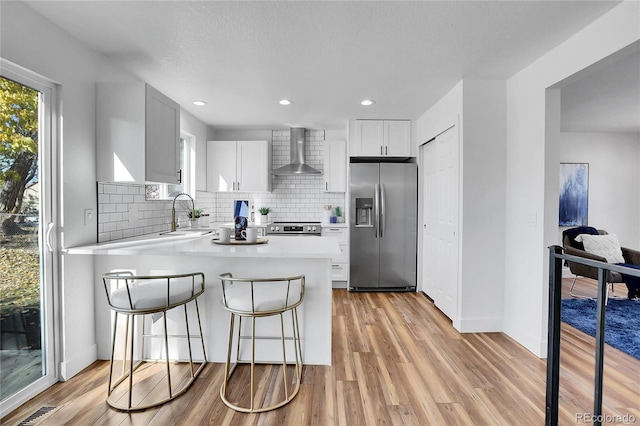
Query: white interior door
x=440 y=170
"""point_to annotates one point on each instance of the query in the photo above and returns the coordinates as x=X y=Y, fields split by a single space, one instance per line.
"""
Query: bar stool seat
x=139 y=296
x=264 y=299
x=255 y=298
x=152 y=294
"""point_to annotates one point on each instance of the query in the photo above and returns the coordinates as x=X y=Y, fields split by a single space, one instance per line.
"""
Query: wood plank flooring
x=396 y=361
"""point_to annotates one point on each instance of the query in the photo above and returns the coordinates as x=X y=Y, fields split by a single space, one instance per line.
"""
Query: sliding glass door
x=27 y=243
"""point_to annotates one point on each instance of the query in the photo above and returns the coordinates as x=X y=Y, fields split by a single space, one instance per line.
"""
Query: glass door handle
x=50 y=227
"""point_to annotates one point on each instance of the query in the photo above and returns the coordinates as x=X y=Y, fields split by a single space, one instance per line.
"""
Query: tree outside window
x=18 y=152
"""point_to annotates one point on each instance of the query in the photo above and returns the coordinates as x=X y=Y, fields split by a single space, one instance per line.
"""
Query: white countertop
x=277 y=247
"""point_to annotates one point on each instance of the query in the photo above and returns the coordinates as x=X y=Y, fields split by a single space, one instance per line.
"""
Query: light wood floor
x=396 y=360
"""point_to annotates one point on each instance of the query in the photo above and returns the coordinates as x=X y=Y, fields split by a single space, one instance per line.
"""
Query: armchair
x=575 y=248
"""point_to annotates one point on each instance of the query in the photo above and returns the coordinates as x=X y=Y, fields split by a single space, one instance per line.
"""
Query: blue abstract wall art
x=574 y=194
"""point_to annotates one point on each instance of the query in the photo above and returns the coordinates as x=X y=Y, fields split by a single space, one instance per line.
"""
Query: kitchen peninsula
x=281 y=256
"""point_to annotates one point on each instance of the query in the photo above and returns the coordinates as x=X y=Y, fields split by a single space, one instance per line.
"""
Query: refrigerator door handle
x=376 y=209
x=382 y=210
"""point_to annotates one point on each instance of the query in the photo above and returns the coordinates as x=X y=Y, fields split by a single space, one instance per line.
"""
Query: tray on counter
x=233 y=242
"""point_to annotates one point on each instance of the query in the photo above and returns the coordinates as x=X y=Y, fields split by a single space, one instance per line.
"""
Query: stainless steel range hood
x=296 y=164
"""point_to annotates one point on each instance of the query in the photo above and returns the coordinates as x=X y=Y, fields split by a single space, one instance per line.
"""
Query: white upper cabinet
x=381 y=138
x=221 y=166
x=368 y=140
x=335 y=166
x=238 y=166
x=162 y=153
x=137 y=134
x=397 y=138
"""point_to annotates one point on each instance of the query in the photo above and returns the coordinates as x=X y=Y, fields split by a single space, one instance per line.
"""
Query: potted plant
x=194 y=217
x=264 y=218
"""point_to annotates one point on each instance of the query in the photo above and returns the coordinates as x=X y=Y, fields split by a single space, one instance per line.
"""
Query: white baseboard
x=79 y=362
x=338 y=284
x=530 y=342
x=480 y=325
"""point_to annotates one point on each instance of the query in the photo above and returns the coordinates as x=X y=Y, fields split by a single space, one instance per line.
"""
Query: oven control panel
x=289 y=228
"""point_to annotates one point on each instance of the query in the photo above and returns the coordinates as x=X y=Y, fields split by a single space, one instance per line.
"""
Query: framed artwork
x=574 y=194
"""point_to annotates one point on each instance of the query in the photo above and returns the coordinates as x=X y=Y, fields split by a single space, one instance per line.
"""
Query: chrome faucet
x=173 y=210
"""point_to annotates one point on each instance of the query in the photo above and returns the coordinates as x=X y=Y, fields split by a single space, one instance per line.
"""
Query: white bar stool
x=257 y=298
x=135 y=296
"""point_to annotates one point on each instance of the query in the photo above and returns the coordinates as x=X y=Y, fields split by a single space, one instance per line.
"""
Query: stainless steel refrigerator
x=383 y=222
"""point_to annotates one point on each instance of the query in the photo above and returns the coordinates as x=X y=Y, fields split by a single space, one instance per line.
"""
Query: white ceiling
x=242 y=57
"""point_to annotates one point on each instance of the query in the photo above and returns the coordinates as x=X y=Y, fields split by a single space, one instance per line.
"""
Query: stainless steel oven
x=294 y=228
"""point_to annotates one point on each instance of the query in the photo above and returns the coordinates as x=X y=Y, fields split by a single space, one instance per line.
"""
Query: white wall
x=483 y=205
x=444 y=114
x=478 y=107
x=531 y=215
x=202 y=133
x=614 y=178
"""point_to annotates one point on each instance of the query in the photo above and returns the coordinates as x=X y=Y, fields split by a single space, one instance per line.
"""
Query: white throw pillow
x=606 y=246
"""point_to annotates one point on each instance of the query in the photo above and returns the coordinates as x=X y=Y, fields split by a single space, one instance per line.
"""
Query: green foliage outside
x=19 y=118
x=19 y=257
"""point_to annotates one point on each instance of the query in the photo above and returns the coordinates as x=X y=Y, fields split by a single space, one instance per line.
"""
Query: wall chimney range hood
x=296 y=164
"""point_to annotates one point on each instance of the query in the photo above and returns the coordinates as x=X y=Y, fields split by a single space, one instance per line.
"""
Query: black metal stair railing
x=556 y=256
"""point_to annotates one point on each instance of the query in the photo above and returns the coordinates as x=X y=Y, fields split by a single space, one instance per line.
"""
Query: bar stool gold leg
x=132 y=323
x=166 y=348
x=186 y=321
x=284 y=358
x=227 y=369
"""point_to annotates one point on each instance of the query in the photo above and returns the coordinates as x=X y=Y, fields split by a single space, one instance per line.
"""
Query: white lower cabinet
x=339 y=264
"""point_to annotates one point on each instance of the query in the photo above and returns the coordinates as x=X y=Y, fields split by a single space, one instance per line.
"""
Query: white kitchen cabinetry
x=382 y=138
x=137 y=134
x=335 y=166
x=238 y=166
x=339 y=265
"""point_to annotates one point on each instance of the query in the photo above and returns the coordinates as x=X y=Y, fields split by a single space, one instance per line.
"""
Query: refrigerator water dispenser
x=364 y=211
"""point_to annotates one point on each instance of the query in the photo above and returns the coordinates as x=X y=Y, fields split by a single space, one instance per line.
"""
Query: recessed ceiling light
x=367 y=102
x=284 y=102
x=199 y=103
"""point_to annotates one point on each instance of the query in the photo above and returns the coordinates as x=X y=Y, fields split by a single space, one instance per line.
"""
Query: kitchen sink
x=192 y=232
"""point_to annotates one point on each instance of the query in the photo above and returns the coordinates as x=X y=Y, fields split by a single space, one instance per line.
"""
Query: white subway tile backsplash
x=293 y=197
x=123 y=211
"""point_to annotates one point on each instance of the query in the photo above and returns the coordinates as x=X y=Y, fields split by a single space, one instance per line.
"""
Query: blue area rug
x=622 y=321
